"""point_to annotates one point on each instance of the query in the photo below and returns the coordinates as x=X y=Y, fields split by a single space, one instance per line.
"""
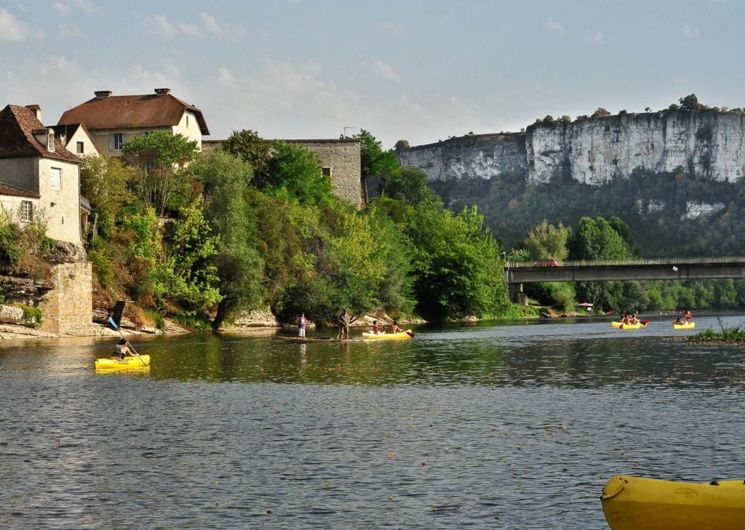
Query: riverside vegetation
x=201 y=236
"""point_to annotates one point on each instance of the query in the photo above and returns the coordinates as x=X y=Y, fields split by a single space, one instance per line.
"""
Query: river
x=508 y=426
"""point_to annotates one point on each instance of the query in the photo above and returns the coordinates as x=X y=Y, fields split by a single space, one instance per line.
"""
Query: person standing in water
x=302 y=323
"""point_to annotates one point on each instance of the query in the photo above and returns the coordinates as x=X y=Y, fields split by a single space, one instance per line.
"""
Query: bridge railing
x=596 y=263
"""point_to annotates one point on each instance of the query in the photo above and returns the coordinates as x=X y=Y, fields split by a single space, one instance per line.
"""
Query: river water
x=488 y=426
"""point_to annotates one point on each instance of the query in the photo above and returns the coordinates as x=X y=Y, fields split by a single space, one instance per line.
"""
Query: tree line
x=255 y=224
x=611 y=239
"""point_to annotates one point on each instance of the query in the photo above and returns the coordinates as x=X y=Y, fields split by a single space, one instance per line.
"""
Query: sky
x=420 y=70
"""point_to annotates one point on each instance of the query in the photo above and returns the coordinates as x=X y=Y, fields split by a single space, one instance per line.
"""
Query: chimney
x=36 y=109
x=102 y=93
x=162 y=91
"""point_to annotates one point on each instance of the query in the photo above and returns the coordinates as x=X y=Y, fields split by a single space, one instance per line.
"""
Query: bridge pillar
x=517 y=295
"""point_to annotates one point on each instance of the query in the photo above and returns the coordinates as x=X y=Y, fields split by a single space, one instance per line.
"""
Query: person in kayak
x=395 y=328
x=377 y=327
x=687 y=315
x=679 y=321
x=122 y=349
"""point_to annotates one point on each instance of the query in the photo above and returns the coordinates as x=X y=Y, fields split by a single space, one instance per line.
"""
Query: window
x=117 y=141
x=55 y=178
x=50 y=141
x=79 y=148
x=326 y=170
x=187 y=121
x=27 y=211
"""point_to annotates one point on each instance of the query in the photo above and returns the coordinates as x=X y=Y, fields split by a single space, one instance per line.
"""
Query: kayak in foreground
x=621 y=325
x=650 y=504
x=687 y=325
x=402 y=335
x=128 y=363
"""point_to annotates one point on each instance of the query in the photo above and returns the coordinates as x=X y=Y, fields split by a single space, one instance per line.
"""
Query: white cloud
x=392 y=27
x=385 y=70
x=61 y=7
x=13 y=30
x=189 y=29
x=225 y=76
x=162 y=26
x=64 y=8
x=165 y=28
x=689 y=32
x=595 y=37
x=211 y=25
x=556 y=27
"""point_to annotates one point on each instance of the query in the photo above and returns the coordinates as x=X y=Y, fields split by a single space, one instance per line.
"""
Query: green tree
x=547 y=241
x=239 y=265
x=295 y=173
x=376 y=162
x=457 y=265
x=159 y=158
x=190 y=266
x=105 y=182
x=253 y=149
x=410 y=186
x=690 y=103
x=596 y=239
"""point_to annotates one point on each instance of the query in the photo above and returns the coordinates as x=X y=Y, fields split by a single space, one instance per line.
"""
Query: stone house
x=111 y=120
x=40 y=177
x=340 y=159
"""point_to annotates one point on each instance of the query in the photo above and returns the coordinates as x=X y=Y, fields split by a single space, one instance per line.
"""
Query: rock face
x=482 y=155
x=596 y=150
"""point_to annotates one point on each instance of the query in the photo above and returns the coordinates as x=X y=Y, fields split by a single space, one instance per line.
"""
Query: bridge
x=516 y=273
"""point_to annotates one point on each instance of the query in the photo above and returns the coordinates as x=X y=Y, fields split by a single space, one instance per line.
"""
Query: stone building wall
x=68 y=308
x=343 y=158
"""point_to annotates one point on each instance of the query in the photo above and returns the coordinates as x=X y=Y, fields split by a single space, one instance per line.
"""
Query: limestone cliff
x=596 y=150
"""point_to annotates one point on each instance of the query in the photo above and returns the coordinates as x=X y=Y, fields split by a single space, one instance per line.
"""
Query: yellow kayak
x=128 y=363
x=403 y=335
x=687 y=325
x=633 y=503
x=621 y=325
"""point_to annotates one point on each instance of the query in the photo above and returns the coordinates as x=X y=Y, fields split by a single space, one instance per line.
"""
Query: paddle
x=113 y=325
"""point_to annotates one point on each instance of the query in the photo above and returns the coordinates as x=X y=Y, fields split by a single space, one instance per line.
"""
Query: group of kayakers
x=630 y=319
x=685 y=318
x=377 y=328
x=343 y=321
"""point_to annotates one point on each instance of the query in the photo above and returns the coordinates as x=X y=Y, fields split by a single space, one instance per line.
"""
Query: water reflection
x=509 y=426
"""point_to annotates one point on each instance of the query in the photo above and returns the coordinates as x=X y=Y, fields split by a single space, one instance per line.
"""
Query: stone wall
x=342 y=157
x=344 y=160
x=68 y=308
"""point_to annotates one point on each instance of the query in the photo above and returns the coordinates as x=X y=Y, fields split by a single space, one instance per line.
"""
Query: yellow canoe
x=128 y=363
x=687 y=325
x=620 y=325
x=633 y=503
x=403 y=335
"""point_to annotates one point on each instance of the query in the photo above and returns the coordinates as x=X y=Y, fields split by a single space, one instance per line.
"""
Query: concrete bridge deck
x=649 y=269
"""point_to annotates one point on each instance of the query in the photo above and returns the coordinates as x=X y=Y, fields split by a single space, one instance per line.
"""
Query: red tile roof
x=132 y=112
x=17 y=126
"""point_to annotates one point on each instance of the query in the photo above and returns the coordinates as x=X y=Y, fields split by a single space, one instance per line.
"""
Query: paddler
x=122 y=349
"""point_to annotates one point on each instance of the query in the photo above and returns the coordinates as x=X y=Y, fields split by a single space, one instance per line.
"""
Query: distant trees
x=547 y=241
x=600 y=113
